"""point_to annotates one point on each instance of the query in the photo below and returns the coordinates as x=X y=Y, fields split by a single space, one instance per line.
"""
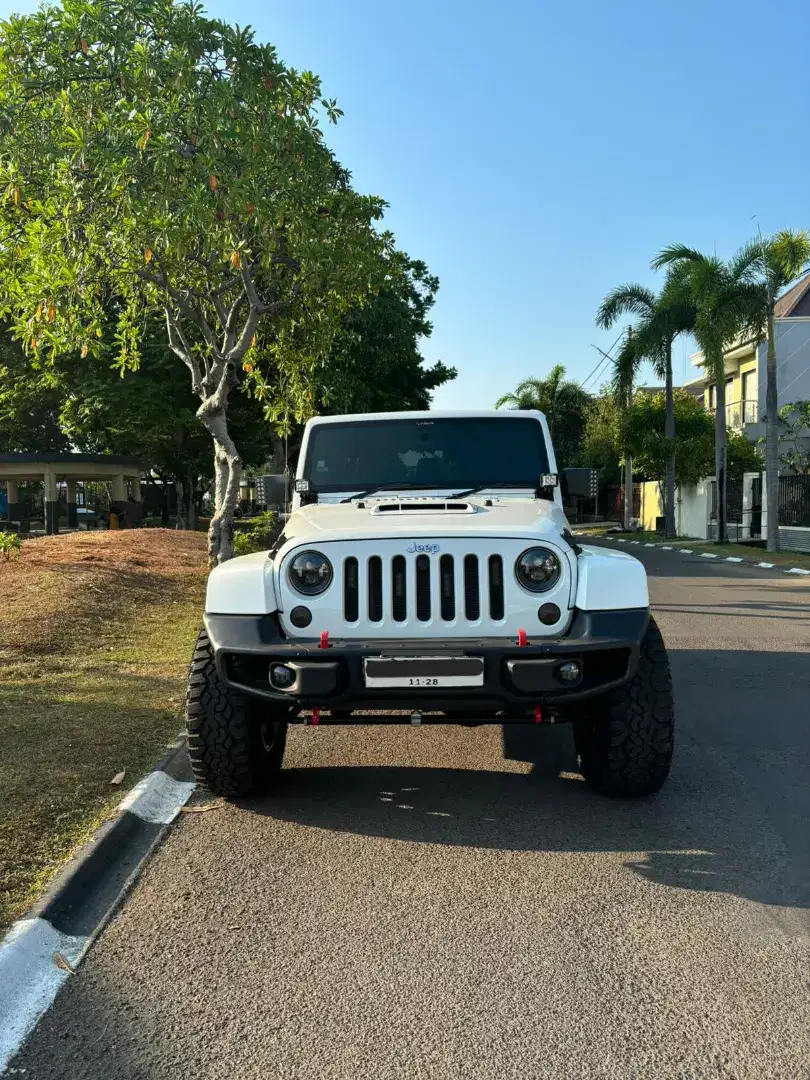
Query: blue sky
x=536 y=154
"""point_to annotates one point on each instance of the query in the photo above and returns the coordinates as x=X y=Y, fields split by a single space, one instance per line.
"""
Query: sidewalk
x=793 y=562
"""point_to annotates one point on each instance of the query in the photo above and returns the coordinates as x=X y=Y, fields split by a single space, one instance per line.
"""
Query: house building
x=745 y=366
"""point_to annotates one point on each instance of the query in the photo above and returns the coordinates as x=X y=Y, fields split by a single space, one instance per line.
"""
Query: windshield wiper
x=405 y=485
x=486 y=487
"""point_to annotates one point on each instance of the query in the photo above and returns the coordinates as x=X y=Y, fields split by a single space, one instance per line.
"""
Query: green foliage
x=374 y=364
x=602 y=436
x=148 y=150
x=694 y=437
x=29 y=404
x=794 y=437
x=727 y=303
x=742 y=455
x=169 y=164
x=564 y=404
x=259 y=534
x=609 y=428
x=769 y=264
x=660 y=319
x=10 y=544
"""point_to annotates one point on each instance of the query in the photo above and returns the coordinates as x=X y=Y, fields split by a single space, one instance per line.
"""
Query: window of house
x=749 y=386
x=712 y=397
x=749 y=396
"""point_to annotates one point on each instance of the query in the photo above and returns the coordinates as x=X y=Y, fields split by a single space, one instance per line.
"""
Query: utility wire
x=605 y=356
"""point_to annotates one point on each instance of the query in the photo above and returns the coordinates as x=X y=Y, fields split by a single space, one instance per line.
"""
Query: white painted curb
x=29 y=976
x=157 y=798
x=30 y=979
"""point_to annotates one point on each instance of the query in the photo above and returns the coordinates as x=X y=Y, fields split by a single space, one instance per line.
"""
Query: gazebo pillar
x=51 y=504
x=72 y=513
x=16 y=509
x=119 y=495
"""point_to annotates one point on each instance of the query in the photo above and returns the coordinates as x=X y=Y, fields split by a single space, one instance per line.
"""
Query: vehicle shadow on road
x=733 y=817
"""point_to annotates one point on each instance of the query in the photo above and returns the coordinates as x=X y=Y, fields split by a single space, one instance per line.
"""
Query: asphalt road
x=454 y=903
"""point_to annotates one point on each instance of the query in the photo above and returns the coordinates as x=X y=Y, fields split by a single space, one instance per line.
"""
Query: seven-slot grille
x=466 y=588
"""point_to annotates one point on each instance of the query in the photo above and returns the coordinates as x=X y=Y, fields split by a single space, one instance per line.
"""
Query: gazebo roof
x=50 y=457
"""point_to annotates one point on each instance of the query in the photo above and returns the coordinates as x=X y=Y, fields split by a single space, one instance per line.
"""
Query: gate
x=742 y=522
x=756 y=507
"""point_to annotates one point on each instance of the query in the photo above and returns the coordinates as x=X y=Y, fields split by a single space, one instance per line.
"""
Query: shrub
x=10 y=544
x=258 y=534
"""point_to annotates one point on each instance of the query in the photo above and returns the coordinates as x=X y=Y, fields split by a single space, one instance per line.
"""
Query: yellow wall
x=651 y=506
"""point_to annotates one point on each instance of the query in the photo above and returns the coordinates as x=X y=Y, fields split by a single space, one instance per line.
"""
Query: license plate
x=424 y=672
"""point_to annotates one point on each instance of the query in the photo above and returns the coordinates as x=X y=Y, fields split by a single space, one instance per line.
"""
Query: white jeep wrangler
x=427 y=574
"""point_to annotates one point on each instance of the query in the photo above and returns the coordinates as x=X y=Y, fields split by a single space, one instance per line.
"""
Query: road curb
x=42 y=950
x=799 y=570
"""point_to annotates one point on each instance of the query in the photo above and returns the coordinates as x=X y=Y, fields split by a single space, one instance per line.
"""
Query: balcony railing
x=740 y=413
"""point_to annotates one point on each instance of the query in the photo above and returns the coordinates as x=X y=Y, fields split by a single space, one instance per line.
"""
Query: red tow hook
x=522 y=639
x=538 y=716
x=316 y=709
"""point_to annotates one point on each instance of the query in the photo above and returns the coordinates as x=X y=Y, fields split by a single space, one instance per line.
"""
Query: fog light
x=569 y=672
x=300 y=616
x=281 y=677
x=548 y=614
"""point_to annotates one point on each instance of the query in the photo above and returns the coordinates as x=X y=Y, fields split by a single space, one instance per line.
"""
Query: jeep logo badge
x=423 y=549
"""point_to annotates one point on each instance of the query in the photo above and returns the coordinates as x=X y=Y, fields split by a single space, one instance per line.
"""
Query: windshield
x=443 y=453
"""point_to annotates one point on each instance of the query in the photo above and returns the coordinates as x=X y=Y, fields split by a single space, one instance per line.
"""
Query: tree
x=375 y=364
x=564 y=404
x=727 y=306
x=770 y=264
x=151 y=416
x=602 y=443
x=794 y=425
x=29 y=404
x=642 y=431
x=660 y=319
x=169 y=160
x=651 y=444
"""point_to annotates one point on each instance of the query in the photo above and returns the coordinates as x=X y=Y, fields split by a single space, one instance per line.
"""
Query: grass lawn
x=96 y=630
x=739 y=551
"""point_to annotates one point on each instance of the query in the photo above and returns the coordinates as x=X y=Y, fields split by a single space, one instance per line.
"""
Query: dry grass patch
x=96 y=630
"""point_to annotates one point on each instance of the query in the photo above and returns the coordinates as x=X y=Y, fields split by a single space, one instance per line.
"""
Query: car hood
x=394 y=517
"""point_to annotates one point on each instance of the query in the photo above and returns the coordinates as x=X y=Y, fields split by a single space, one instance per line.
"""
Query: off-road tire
x=236 y=745
x=625 y=738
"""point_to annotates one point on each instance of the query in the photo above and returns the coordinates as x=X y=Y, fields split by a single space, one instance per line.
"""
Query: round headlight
x=310 y=573
x=538 y=569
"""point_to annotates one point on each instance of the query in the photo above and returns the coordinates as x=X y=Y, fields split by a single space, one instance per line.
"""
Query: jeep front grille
x=422 y=569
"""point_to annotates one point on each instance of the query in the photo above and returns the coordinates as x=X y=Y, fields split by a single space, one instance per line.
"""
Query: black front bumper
x=516 y=678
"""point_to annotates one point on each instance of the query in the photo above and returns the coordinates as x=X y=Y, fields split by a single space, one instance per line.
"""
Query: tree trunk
x=720 y=450
x=193 y=515
x=669 y=435
x=228 y=473
x=772 y=440
x=165 y=505
x=182 y=504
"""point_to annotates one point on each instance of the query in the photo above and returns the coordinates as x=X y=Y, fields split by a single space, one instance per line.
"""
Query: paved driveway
x=450 y=903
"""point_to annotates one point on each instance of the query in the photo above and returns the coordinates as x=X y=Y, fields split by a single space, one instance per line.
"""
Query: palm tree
x=728 y=306
x=563 y=403
x=660 y=319
x=770 y=265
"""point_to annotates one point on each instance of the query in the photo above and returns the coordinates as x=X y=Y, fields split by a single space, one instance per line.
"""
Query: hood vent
x=431 y=506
